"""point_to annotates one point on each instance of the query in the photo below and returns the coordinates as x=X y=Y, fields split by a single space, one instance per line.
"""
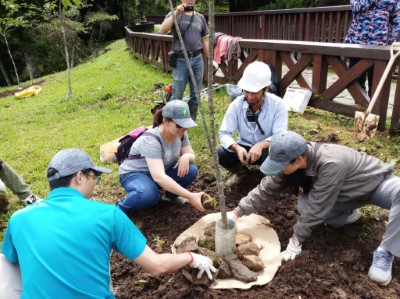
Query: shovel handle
x=393 y=57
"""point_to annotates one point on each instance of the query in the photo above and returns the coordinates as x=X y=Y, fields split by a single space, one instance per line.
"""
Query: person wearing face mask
x=256 y=116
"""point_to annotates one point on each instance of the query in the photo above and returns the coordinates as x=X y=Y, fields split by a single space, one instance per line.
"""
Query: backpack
x=126 y=142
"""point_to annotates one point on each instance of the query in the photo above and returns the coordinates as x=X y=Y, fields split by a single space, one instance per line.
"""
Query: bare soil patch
x=334 y=262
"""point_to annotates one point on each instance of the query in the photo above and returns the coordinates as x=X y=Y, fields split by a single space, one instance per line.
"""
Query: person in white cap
x=256 y=116
x=63 y=244
x=336 y=181
x=162 y=158
x=10 y=179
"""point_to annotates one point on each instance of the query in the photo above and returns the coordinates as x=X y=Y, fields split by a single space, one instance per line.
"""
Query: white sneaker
x=2 y=186
x=178 y=200
x=381 y=268
x=31 y=199
x=353 y=216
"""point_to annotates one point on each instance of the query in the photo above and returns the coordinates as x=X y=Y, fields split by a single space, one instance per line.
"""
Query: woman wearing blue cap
x=336 y=181
x=162 y=158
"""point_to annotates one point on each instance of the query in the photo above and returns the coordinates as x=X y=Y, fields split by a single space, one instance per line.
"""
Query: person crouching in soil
x=63 y=244
x=161 y=158
x=336 y=182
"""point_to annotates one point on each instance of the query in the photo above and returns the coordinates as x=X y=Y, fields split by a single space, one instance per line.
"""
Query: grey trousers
x=386 y=196
x=13 y=181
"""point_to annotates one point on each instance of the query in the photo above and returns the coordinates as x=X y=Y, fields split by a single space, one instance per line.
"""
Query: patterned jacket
x=370 y=24
x=394 y=22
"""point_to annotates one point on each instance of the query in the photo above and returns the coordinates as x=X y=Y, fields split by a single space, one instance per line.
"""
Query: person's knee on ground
x=334 y=219
x=138 y=199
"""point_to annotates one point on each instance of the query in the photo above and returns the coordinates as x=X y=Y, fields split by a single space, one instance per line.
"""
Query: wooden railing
x=319 y=24
x=290 y=59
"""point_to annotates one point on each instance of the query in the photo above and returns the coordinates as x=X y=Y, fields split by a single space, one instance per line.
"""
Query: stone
x=210 y=229
x=191 y=275
x=253 y=262
x=224 y=271
x=242 y=238
x=189 y=244
x=239 y=270
x=208 y=202
x=247 y=249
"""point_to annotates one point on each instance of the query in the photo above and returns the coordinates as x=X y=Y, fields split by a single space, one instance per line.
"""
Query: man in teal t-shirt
x=63 y=244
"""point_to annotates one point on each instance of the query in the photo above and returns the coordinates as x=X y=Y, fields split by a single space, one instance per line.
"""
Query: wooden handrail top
x=281 y=11
x=335 y=49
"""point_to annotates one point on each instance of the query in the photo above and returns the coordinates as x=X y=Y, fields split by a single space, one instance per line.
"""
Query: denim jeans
x=182 y=76
x=386 y=196
x=230 y=160
x=143 y=191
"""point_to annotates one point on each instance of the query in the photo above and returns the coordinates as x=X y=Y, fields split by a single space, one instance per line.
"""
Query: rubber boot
x=240 y=174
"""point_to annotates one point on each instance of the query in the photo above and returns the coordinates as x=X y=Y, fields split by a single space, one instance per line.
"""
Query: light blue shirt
x=273 y=119
x=63 y=245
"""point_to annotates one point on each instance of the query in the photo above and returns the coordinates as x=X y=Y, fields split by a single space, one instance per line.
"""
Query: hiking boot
x=381 y=268
x=178 y=200
x=31 y=199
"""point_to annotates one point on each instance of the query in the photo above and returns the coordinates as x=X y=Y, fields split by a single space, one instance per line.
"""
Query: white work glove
x=292 y=250
x=203 y=263
x=233 y=215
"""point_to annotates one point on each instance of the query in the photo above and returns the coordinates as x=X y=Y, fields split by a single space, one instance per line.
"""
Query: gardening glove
x=203 y=263
x=233 y=215
x=292 y=250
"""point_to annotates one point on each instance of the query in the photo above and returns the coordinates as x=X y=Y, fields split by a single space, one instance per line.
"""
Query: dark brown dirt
x=334 y=262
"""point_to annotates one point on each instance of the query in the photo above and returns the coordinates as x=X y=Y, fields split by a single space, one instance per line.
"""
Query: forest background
x=38 y=38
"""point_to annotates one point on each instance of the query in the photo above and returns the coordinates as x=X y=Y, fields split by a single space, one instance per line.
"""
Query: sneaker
x=2 y=186
x=354 y=215
x=381 y=268
x=31 y=199
x=178 y=200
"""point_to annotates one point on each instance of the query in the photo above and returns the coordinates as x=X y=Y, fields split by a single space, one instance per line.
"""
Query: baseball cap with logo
x=72 y=160
x=178 y=111
x=284 y=147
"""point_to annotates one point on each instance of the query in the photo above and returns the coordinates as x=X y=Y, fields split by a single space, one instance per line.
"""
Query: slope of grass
x=113 y=94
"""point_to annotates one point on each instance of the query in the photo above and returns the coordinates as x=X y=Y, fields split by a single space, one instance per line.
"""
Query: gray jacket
x=339 y=174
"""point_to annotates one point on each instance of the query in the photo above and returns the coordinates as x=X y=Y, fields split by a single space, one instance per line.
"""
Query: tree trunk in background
x=31 y=62
x=5 y=74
